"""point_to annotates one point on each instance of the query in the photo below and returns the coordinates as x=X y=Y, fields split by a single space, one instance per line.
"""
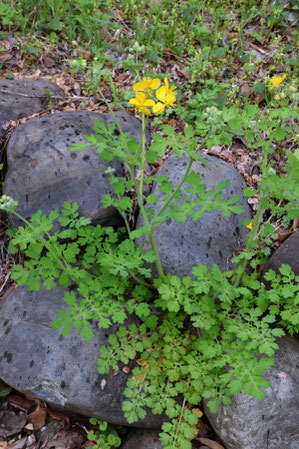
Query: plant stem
x=144 y=123
x=254 y=231
x=178 y=188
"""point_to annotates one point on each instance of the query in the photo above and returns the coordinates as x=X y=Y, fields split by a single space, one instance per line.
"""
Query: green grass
x=218 y=53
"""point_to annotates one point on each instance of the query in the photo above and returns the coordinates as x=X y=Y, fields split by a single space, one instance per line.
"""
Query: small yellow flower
x=277 y=97
x=166 y=97
x=250 y=226
x=147 y=85
x=276 y=80
x=140 y=102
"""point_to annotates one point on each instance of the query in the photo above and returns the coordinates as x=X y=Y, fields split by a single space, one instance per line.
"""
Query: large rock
x=287 y=253
x=142 y=439
x=22 y=98
x=273 y=422
x=43 y=174
x=39 y=362
x=211 y=240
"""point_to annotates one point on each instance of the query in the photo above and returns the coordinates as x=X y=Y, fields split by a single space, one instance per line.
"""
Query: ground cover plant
x=197 y=337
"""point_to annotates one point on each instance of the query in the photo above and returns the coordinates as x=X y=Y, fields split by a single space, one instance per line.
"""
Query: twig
x=255 y=47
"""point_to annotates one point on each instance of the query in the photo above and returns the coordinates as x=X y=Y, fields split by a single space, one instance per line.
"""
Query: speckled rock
x=211 y=240
x=273 y=422
x=39 y=362
x=287 y=253
x=22 y=98
x=43 y=174
x=142 y=439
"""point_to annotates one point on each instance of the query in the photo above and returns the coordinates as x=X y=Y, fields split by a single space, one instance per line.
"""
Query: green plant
x=197 y=337
x=4 y=390
x=7 y=14
x=214 y=96
x=105 y=435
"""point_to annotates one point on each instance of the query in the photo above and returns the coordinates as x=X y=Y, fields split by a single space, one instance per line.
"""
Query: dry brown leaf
x=58 y=415
x=20 y=402
x=89 y=444
x=210 y=443
x=282 y=236
x=48 y=60
x=19 y=444
x=38 y=417
x=11 y=423
x=65 y=440
x=295 y=224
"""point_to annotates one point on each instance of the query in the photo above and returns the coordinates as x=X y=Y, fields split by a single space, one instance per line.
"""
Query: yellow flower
x=276 y=80
x=140 y=102
x=277 y=97
x=166 y=97
x=147 y=85
x=171 y=89
x=250 y=226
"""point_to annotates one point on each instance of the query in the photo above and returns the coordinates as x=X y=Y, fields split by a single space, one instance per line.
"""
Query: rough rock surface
x=39 y=362
x=273 y=422
x=43 y=174
x=287 y=253
x=211 y=240
x=22 y=98
x=142 y=439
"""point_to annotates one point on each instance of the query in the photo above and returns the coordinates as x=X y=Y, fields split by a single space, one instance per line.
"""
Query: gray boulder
x=142 y=439
x=211 y=240
x=43 y=174
x=22 y=98
x=39 y=362
x=271 y=423
x=287 y=253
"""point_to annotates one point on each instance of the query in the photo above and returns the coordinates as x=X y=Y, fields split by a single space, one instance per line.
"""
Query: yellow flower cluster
x=276 y=80
x=145 y=96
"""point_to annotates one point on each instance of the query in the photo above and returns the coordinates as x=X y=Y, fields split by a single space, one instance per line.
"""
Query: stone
x=142 y=439
x=43 y=174
x=211 y=240
x=11 y=423
x=273 y=422
x=22 y=98
x=287 y=253
x=39 y=362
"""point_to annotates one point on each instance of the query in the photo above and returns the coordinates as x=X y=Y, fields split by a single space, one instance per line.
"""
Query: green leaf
x=66 y=330
x=285 y=269
x=87 y=333
x=70 y=298
x=226 y=138
x=152 y=199
x=279 y=134
x=57 y=324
